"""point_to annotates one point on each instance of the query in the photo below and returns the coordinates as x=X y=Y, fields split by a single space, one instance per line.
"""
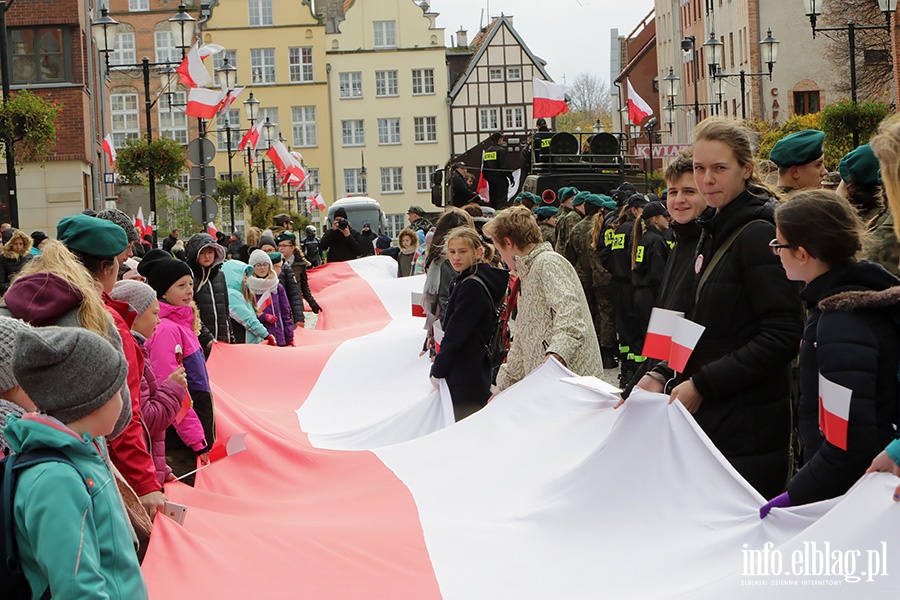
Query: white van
x=360 y=209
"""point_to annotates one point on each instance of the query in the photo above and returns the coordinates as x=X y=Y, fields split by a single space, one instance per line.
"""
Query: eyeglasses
x=775 y=246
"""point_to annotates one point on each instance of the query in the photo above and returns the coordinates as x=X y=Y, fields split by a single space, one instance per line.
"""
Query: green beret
x=286 y=236
x=601 y=201
x=580 y=198
x=798 y=148
x=93 y=236
x=529 y=196
x=860 y=167
x=545 y=212
x=275 y=257
x=565 y=193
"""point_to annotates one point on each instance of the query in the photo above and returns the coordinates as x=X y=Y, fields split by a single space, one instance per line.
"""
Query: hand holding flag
x=233 y=445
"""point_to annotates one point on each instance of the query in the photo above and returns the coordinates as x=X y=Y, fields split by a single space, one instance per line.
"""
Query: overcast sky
x=571 y=35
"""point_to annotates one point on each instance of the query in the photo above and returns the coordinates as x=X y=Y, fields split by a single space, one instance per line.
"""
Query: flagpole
x=151 y=176
x=194 y=471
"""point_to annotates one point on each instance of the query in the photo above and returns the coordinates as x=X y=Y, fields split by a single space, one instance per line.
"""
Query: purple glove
x=780 y=501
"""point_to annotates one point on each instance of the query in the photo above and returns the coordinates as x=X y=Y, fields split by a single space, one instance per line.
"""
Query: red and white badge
x=698 y=264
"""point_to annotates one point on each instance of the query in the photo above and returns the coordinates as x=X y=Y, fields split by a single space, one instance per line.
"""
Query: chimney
x=462 y=38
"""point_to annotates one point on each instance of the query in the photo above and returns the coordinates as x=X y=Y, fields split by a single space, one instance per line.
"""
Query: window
x=138 y=5
x=219 y=59
x=124 y=52
x=514 y=73
x=354 y=182
x=269 y=182
x=312 y=181
x=391 y=180
x=352 y=133
x=351 y=84
x=234 y=124
x=395 y=224
x=388 y=131
x=301 y=64
x=423 y=81
x=262 y=65
x=806 y=103
x=303 y=119
x=40 y=55
x=385 y=34
x=426 y=129
x=515 y=118
x=260 y=13
x=423 y=177
x=124 y=117
x=489 y=119
x=173 y=122
x=495 y=74
x=385 y=83
x=165 y=47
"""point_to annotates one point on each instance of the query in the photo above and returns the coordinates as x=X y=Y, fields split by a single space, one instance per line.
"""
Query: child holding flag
x=272 y=304
x=850 y=349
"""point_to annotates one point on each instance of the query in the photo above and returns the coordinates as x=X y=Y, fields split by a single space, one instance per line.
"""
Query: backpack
x=12 y=579
x=497 y=346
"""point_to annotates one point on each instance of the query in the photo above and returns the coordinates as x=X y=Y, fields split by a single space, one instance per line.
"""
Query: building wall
x=419 y=45
x=293 y=26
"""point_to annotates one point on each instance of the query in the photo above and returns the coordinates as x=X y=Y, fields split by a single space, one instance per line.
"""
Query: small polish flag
x=658 y=343
x=638 y=110
x=192 y=71
x=684 y=340
x=438 y=335
x=549 y=99
x=834 y=411
x=110 y=149
x=417 y=309
x=186 y=404
x=483 y=189
x=139 y=220
x=316 y=202
x=204 y=103
x=252 y=136
x=211 y=227
x=148 y=230
x=265 y=301
x=232 y=446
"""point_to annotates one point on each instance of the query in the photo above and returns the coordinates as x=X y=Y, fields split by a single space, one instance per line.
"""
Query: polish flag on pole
x=204 y=103
x=110 y=149
x=265 y=301
x=684 y=340
x=834 y=411
x=139 y=220
x=284 y=162
x=251 y=137
x=193 y=72
x=316 y=202
x=211 y=228
x=209 y=49
x=549 y=99
x=232 y=446
x=417 y=309
x=658 y=343
x=638 y=110
x=230 y=97
x=438 y=335
x=482 y=188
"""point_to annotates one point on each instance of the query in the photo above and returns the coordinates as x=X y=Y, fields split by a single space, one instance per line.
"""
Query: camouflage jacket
x=548 y=232
x=883 y=247
x=564 y=227
x=584 y=258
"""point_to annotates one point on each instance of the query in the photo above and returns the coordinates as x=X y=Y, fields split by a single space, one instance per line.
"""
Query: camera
x=342 y=223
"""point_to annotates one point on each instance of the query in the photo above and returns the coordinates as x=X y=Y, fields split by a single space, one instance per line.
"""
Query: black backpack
x=12 y=579
x=497 y=347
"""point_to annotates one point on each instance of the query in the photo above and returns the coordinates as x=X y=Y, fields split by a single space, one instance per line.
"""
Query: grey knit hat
x=8 y=330
x=121 y=219
x=137 y=294
x=68 y=372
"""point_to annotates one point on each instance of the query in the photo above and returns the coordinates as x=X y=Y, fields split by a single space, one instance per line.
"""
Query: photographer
x=341 y=242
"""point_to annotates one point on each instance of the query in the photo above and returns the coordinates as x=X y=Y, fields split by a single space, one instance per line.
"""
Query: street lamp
x=269 y=128
x=103 y=30
x=690 y=44
x=887 y=7
x=768 y=54
x=226 y=75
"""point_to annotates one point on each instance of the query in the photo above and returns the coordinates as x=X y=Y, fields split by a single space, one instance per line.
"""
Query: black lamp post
x=814 y=9
x=104 y=32
x=226 y=76
x=251 y=110
x=269 y=129
x=671 y=87
x=690 y=43
x=714 y=57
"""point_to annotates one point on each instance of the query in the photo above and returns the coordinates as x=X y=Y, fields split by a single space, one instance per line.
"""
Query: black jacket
x=10 y=265
x=311 y=250
x=210 y=291
x=851 y=338
x=677 y=288
x=339 y=246
x=168 y=242
x=298 y=266
x=287 y=279
x=741 y=365
x=616 y=256
x=650 y=260
x=460 y=192
x=468 y=325
x=367 y=243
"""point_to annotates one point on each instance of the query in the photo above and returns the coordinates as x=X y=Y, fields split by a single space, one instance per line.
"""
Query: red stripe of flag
x=834 y=411
x=658 y=343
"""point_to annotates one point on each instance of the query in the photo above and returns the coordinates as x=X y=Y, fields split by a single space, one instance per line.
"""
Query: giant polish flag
x=638 y=109
x=549 y=99
x=355 y=484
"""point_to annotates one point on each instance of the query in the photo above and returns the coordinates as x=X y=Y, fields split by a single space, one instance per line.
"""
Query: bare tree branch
x=873 y=48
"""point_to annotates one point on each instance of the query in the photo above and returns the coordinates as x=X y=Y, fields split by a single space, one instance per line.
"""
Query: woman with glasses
x=737 y=383
x=850 y=349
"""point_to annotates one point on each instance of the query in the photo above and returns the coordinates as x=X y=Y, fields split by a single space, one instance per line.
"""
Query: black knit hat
x=161 y=270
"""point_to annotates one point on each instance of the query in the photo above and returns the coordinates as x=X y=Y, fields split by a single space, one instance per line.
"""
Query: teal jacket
x=893 y=451
x=242 y=311
x=79 y=545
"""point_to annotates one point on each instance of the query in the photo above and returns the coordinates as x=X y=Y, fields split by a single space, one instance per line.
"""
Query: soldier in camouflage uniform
x=861 y=185
x=566 y=223
x=565 y=195
x=595 y=279
x=546 y=218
